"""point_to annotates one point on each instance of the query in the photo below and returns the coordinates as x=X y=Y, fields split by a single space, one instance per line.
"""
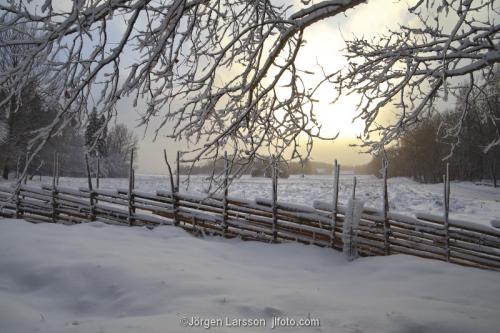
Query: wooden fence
x=378 y=233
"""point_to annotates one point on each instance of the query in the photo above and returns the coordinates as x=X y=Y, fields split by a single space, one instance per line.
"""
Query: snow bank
x=101 y=278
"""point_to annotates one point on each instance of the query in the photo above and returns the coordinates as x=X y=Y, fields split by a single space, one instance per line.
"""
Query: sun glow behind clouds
x=324 y=47
x=338 y=117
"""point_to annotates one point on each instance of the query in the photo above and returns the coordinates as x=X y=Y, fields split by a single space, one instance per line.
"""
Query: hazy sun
x=337 y=117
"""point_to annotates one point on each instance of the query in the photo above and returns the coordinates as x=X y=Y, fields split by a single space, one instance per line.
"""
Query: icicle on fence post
x=350 y=228
x=387 y=227
x=351 y=222
x=91 y=192
x=446 y=181
x=274 y=175
x=224 y=202
x=54 y=190
x=131 y=208
x=336 y=173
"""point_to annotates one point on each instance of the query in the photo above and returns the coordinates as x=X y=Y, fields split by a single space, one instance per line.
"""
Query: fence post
x=387 y=227
x=178 y=171
x=274 y=176
x=175 y=190
x=58 y=169
x=17 y=166
x=354 y=182
x=336 y=172
x=446 y=181
x=224 y=202
x=54 y=190
x=172 y=186
x=18 y=202
x=91 y=192
x=98 y=173
x=131 y=208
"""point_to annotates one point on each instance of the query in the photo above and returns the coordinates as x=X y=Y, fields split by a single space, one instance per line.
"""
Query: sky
x=325 y=41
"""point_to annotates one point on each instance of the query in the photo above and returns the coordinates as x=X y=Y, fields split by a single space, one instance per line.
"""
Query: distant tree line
x=424 y=150
x=111 y=147
x=262 y=168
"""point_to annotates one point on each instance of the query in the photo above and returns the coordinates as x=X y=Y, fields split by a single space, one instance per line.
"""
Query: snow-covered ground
x=102 y=278
x=469 y=202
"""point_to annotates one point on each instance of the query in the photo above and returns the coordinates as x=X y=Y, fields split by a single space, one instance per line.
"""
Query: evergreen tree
x=95 y=135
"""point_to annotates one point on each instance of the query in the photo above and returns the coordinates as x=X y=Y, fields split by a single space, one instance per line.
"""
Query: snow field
x=102 y=278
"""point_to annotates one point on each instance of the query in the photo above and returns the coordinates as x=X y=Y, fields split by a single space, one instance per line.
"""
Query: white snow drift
x=102 y=278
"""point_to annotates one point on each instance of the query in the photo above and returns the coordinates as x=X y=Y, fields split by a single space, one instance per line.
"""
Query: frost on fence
x=350 y=229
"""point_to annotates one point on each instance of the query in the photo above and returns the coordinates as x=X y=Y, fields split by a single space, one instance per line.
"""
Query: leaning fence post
x=91 y=192
x=446 y=181
x=172 y=186
x=275 y=197
x=224 y=200
x=387 y=227
x=54 y=190
x=17 y=166
x=131 y=209
x=336 y=172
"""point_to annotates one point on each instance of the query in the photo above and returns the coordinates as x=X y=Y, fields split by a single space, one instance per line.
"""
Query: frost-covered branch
x=417 y=65
x=221 y=72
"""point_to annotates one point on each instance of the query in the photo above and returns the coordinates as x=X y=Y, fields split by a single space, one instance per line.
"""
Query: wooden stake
x=274 y=197
x=98 y=173
x=18 y=201
x=91 y=192
x=336 y=172
x=354 y=188
x=172 y=188
x=17 y=166
x=177 y=176
x=224 y=202
x=446 y=181
x=387 y=227
x=54 y=191
x=177 y=188
x=25 y=179
x=131 y=209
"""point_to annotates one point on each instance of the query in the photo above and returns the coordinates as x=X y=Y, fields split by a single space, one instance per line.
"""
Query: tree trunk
x=5 y=171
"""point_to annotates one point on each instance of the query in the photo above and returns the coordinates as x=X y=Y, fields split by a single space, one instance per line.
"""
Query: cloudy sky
x=325 y=41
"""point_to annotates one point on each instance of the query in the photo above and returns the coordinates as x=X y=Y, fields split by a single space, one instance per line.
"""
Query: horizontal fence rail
x=378 y=233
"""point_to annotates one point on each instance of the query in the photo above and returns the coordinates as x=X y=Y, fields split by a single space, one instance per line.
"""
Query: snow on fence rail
x=378 y=233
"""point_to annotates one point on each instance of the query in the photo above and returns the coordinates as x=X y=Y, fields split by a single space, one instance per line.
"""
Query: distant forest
x=31 y=113
x=423 y=151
